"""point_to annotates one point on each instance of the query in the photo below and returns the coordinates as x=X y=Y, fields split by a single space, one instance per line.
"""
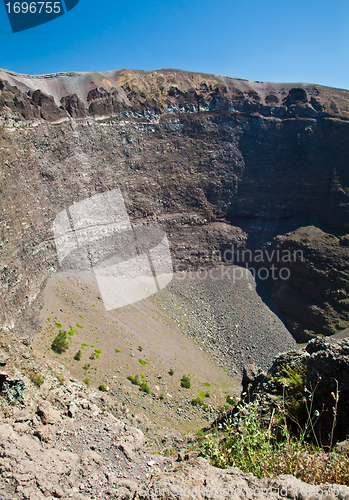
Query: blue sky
x=281 y=41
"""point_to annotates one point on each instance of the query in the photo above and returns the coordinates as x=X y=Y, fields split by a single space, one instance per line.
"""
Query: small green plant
x=204 y=394
x=97 y=353
x=36 y=378
x=72 y=332
x=81 y=316
x=206 y=384
x=197 y=401
x=142 y=362
x=117 y=350
x=140 y=348
x=161 y=397
x=79 y=326
x=60 y=378
x=144 y=387
x=77 y=356
x=185 y=382
x=58 y=325
x=87 y=381
x=60 y=343
x=86 y=366
x=102 y=388
x=232 y=400
x=292 y=377
x=171 y=372
x=84 y=345
x=134 y=380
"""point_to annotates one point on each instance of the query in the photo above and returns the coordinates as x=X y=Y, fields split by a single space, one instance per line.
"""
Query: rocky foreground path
x=61 y=439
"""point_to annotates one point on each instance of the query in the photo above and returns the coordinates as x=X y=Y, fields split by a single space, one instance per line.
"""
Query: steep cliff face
x=214 y=160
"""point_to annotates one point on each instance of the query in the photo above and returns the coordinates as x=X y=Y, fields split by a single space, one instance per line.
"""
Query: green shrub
x=102 y=388
x=36 y=378
x=171 y=372
x=144 y=387
x=60 y=342
x=142 y=362
x=196 y=402
x=232 y=400
x=134 y=380
x=72 y=332
x=117 y=350
x=185 y=382
x=77 y=356
x=87 y=381
x=86 y=366
x=161 y=397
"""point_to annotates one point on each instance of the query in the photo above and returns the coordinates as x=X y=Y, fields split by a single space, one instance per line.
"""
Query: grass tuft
x=185 y=382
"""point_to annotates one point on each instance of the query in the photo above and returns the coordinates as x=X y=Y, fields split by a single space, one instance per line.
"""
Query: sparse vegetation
x=185 y=382
x=143 y=386
x=72 y=332
x=60 y=343
x=86 y=366
x=204 y=394
x=117 y=350
x=134 y=380
x=60 y=378
x=271 y=450
x=36 y=378
x=171 y=372
x=97 y=353
x=140 y=348
x=142 y=362
x=102 y=388
x=285 y=442
x=86 y=381
x=197 y=401
x=231 y=400
x=77 y=356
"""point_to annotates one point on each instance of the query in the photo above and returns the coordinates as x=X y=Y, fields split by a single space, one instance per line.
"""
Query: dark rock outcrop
x=315 y=377
x=74 y=106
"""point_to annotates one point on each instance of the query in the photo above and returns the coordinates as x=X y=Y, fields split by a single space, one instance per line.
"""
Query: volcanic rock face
x=214 y=160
